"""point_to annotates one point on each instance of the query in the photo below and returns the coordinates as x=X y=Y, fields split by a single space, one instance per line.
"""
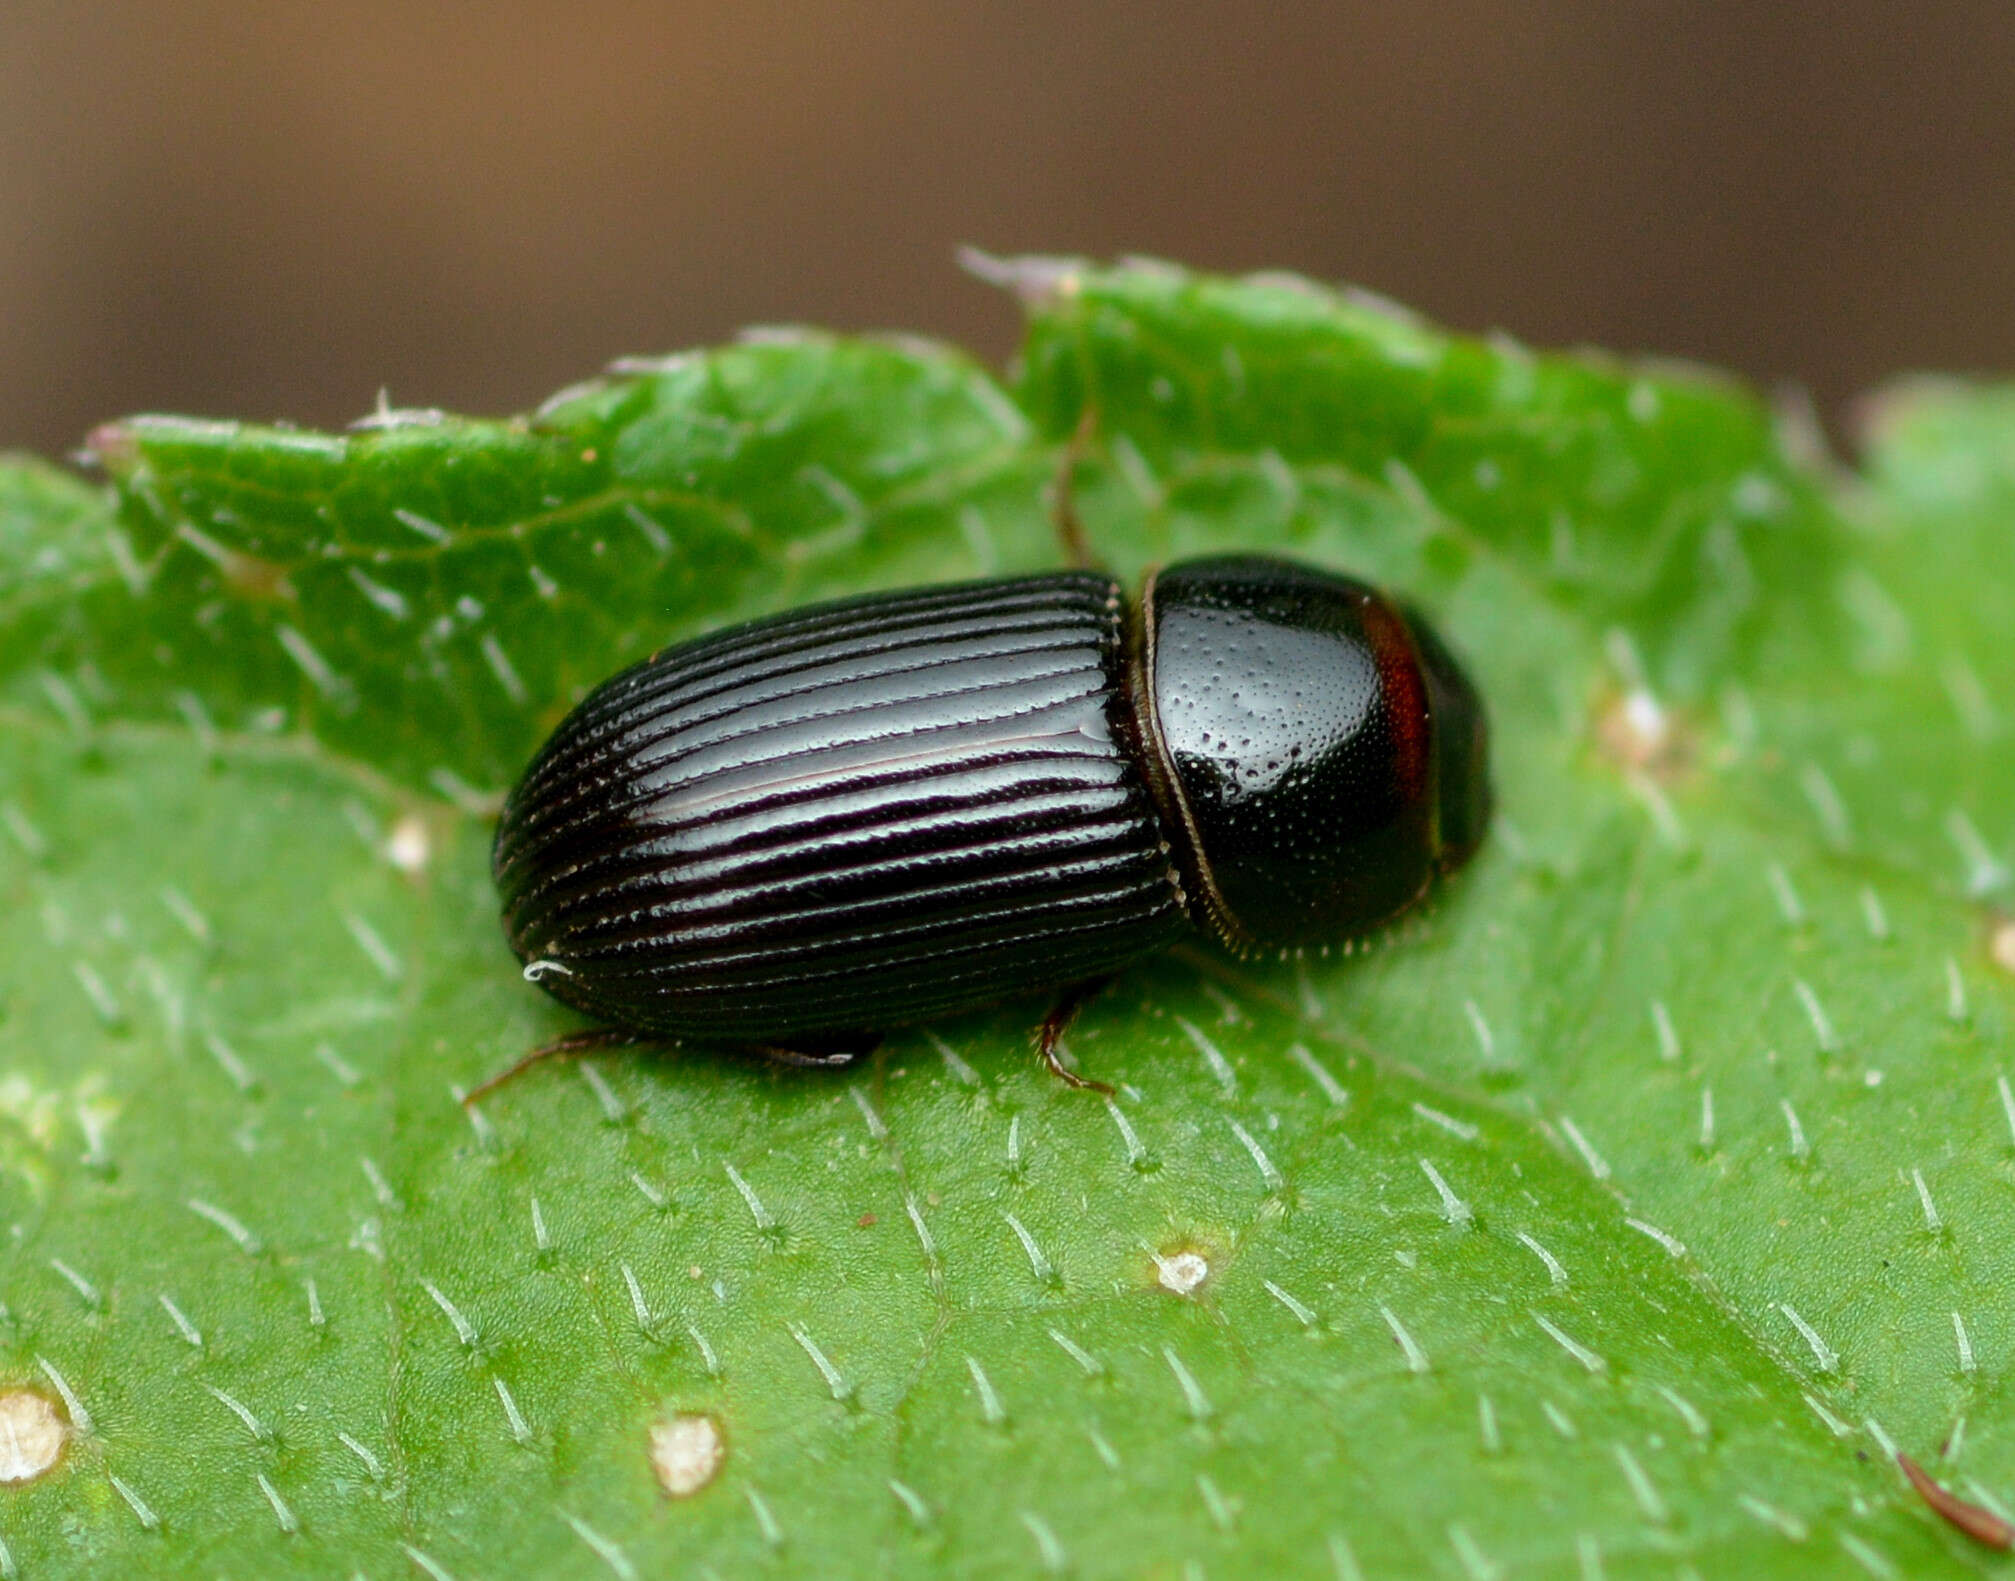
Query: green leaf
x=1618 y=1215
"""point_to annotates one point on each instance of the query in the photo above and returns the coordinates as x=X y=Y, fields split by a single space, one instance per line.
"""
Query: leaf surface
x=1617 y=1215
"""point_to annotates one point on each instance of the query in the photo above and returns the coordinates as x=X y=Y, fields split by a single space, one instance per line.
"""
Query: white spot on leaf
x=2001 y=946
x=1182 y=1272
x=408 y=848
x=686 y=1453
x=32 y=1435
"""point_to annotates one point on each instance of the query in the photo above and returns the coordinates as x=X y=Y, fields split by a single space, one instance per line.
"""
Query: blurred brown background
x=273 y=211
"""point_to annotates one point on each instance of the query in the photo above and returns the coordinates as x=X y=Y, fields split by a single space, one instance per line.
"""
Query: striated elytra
x=790 y=836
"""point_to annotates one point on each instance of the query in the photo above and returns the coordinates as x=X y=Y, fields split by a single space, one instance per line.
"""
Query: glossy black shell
x=851 y=817
x=845 y=818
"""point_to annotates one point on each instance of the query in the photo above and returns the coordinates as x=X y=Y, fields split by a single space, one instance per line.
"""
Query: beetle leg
x=833 y=1055
x=1063 y=495
x=592 y=1041
x=794 y=1059
x=1062 y=1013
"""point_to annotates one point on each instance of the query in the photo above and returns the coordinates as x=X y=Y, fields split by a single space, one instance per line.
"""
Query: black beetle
x=790 y=836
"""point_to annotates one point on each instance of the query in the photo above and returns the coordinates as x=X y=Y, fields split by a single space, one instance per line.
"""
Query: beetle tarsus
x=836 y=1055
x=1056 y=1023
x=573 y=1045
x=1063 y=495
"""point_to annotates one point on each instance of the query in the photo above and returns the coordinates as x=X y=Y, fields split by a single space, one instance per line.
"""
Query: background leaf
x=1616 y=1216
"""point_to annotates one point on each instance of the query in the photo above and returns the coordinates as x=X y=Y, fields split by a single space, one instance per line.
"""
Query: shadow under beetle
x=787 y=837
